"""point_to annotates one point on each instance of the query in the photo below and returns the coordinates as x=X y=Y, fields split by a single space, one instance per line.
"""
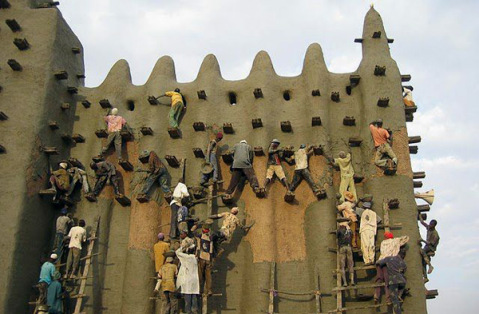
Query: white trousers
x=368 y=246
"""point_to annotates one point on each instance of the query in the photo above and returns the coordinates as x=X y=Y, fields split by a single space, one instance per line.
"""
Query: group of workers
x=184 y=262
x=68 y=239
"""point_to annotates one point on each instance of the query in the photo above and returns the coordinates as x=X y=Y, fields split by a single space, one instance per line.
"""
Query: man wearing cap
x=344 y=236
x=274 y=164
x=159 y=249
x=204 y=251
x=46 y=276
x=242 y=166
x=177 y=107
x=166 y=280
x=62 y=225
x=431 y=243
x=407 y=96
x=55 y=295
x=188 y=279
x=381 y=139
x=60 y=179
x=105 y=172
x=346 y=208
x=301 y=170
x=77 y=236
x=367 y=231
x=156 y=173
x=115 y=123
x=390 y=246
x=180 y=193
x=211 y=159
x=347 y=174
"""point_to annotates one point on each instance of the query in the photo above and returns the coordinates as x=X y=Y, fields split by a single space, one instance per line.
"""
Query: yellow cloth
x=175 y=97
x=159 y=248
x=168 y=273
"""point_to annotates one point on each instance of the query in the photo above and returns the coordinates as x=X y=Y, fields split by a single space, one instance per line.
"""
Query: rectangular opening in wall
x=233 y=99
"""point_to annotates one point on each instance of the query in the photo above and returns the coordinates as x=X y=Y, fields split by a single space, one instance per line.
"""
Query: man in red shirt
x=115 y=124
x=381 y=138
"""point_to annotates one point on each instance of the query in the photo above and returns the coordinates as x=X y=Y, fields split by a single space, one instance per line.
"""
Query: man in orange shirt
x=177 y=106
x=381 y=138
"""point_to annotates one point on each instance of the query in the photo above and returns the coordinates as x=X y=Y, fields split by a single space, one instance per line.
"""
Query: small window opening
x=131 y=105
x=287 y=95
x=232 y=97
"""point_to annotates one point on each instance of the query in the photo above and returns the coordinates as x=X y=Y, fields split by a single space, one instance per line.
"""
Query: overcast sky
x=435 y=41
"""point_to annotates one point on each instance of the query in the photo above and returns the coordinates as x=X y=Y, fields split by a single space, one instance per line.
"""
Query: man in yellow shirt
x=177 y=107
x=159 y=248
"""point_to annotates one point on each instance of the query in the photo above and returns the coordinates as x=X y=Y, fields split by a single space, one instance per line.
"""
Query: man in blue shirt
x=46 y=277
x=54 y=296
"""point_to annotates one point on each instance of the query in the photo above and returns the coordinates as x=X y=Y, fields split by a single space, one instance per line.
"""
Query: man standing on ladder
x=77 y=235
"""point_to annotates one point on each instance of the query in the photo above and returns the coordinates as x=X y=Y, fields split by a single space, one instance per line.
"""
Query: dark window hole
x=232 y=97
x=131 y=105
x=287 y=95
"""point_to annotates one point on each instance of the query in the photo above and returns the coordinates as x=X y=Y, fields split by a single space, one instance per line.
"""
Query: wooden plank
x=339 y=294
x=271 y=288
x=386 y=216
x=86 y=269
x=317 y=295
x=209 y=205
x=357 y=287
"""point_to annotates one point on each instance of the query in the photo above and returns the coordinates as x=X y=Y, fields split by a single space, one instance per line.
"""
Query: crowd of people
x=184 y=261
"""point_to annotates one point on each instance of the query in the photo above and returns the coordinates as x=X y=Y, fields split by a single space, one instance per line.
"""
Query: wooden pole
x=271 y=288
x=386 y=215
x=86 y=269
x=339 y=294
x=317 y=296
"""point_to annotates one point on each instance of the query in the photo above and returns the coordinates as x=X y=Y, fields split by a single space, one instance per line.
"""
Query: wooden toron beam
x=419 y=175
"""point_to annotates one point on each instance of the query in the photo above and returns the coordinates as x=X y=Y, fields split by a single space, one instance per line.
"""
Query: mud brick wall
x=296 y=236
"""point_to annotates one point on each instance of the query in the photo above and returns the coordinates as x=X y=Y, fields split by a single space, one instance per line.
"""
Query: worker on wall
x=382 y=139
x=275 y=155
x=114 y=123
x=430 y=245
x=212 y=160
x=177 y=107
x=301 y=170
x=242 y=166
x=347 y=174
x=345 y=235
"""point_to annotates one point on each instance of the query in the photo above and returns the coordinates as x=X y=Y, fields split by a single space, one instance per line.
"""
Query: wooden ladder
x=81 y=291
x=209 y=205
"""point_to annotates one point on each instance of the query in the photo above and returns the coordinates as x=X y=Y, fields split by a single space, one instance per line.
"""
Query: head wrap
x=161 y=236
x=349 y=196
x=388 y=235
